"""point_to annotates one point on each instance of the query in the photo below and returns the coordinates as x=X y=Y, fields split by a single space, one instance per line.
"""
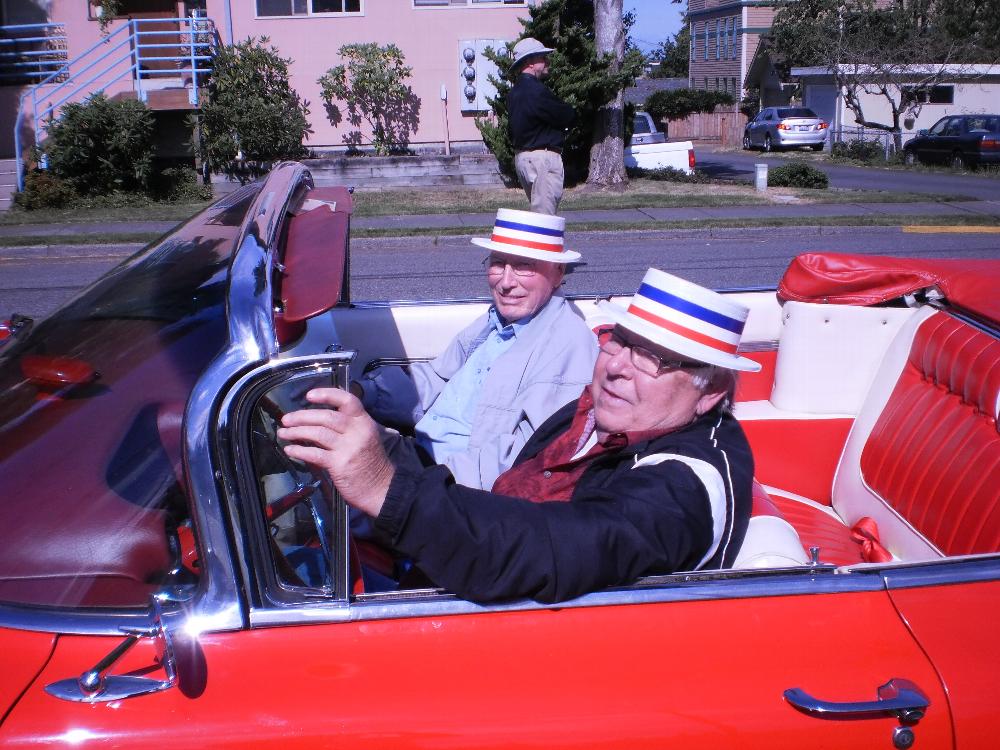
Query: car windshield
x=787 y=112
x=91 y=402
x=640 y=125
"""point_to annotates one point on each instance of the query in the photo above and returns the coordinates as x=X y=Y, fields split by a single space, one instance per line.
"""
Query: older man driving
x=474 y=407
x=646 y=472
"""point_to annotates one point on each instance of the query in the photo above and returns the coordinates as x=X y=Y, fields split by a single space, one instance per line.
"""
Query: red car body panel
x=30 y=651
x=700 y=674
x=948 y=623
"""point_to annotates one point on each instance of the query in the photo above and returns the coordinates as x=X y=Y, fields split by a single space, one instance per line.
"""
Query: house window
x=267 y=8
x=733 y=52
x=706 y=46
x=463 y=3
x=932 y=95
x=692 y=38
x=718 y=39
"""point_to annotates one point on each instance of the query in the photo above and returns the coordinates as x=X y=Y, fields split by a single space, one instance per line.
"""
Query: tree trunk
x=607 y=155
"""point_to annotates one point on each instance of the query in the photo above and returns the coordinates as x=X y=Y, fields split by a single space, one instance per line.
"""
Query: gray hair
x=715 y=378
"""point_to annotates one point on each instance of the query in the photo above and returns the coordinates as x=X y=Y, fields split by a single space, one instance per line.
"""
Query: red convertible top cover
x=834 y=278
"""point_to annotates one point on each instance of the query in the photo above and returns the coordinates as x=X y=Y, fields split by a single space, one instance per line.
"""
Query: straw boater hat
x=526 y=48
x=686 y=318
x=530 y=235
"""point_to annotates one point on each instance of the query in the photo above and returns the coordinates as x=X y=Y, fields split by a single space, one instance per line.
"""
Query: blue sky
x=656 y=20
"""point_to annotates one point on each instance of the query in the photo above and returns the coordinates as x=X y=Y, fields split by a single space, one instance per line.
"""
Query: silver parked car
x=785 y=127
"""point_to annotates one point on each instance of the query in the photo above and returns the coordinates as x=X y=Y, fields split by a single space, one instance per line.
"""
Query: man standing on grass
x=538 y=123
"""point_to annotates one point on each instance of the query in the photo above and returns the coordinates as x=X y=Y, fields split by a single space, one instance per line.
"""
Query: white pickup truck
x=649 y=148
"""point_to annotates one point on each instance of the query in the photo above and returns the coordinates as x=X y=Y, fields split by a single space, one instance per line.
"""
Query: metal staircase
x=160 y=61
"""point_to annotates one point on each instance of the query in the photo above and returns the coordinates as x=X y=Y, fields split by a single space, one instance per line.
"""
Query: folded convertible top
x=837 y=278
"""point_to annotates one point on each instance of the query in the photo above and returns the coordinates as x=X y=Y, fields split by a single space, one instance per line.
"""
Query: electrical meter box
x=474 y=71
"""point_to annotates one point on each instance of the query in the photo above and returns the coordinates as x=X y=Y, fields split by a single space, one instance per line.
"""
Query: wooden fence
x=723 y=126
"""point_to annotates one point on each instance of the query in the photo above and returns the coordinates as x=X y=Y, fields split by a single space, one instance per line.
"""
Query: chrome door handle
x=898 y=696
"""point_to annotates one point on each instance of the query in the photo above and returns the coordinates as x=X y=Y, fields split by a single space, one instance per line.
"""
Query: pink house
x=157 y=50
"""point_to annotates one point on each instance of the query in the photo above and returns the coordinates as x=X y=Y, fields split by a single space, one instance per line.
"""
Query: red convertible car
x=150 y=593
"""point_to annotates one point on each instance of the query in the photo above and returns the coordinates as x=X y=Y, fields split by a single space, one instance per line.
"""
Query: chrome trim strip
x=77 y=622
x=217 y=604
x=944 y=572
x=719 y=585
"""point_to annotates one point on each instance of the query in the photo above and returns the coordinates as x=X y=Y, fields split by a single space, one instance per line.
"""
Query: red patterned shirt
x=552 y=474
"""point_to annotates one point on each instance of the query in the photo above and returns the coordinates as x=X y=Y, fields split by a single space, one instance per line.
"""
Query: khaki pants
x=541 y=175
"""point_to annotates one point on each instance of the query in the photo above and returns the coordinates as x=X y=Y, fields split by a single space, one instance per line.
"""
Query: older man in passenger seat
x=646 y=472
x=474 y=407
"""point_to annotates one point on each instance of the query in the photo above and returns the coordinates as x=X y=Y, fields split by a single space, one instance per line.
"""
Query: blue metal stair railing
x=123 y=52
x=30 y=51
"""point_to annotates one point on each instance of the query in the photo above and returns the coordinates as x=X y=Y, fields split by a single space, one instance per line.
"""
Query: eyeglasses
x=643 y=360
x=495 y=266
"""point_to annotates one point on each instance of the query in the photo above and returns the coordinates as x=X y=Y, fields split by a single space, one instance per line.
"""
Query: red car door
x=701 y=665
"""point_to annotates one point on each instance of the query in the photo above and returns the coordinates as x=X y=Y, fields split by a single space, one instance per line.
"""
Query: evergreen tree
x=674 y=55
x=577 y=76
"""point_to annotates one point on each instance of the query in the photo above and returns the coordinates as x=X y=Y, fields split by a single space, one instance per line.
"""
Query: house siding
x=749 y=18
x=428 y=37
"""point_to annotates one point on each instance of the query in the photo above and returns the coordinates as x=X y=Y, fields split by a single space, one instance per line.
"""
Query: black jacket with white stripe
x=680 y=501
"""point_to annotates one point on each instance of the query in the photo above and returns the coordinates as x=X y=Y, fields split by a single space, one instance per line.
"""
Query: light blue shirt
x=446 y=426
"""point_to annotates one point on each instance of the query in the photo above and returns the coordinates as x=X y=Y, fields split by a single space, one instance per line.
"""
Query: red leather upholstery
x=818 y=529
x=934 y=454
x=756 y=386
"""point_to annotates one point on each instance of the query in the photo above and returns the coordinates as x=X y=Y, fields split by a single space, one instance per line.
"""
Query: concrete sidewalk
x=637 y=218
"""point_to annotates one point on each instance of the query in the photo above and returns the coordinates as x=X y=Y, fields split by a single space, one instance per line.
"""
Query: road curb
x=62 y=252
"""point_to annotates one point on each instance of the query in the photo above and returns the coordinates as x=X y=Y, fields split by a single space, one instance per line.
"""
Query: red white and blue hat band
x=529 y=234
x=688 y=319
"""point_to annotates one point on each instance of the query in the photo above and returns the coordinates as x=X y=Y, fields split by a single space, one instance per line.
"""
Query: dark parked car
x=785 y=127
x=961 y=141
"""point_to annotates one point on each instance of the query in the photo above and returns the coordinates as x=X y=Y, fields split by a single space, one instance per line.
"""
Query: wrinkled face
x=537 y=66
x=626 y=399
x=521 y=286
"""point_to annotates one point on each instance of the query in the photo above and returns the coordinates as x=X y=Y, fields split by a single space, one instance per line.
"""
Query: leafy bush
x=678 y=104
x=252 y=116
x=798 y=175
x=373 y=85
x=179 y=185
x=857 y=150
x=44 y=190
x=100 y=145
x=666 y=174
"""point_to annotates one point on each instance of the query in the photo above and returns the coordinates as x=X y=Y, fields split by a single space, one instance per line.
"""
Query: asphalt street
x=739 y=166
x=449 y=267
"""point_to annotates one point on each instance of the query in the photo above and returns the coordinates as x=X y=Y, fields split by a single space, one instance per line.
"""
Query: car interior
x=858 y=404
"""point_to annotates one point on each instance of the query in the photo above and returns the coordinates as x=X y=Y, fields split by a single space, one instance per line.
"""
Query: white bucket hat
x=530 y=235
x=526 y=48
x=686 y=318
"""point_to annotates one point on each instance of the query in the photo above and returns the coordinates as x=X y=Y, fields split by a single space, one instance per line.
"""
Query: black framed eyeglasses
x=645 y=361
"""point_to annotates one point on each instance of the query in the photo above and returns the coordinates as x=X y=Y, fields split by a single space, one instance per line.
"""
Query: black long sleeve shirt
x=538 y=118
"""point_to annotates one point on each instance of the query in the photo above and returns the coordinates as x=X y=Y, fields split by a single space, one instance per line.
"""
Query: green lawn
x=641 y=193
